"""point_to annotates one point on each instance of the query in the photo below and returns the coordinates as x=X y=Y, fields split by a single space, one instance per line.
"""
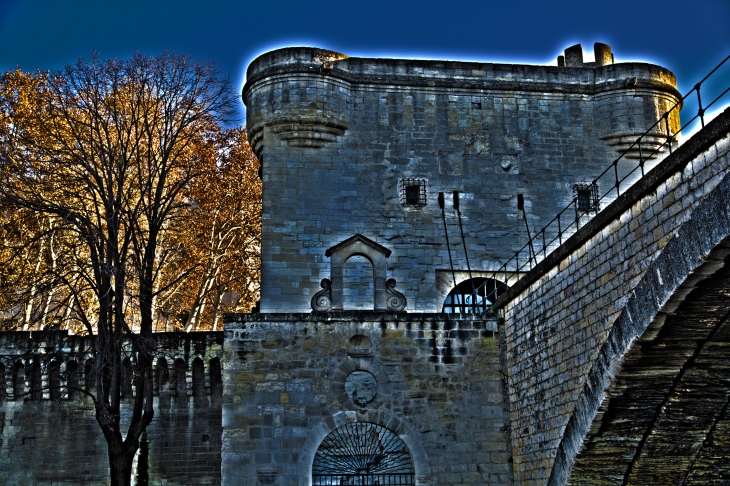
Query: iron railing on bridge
x=568 y=221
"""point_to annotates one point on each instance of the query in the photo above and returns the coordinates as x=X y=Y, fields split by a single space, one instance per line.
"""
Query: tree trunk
x=198 y=307
x=28 y=307
x=120 y=464
x=216 y=308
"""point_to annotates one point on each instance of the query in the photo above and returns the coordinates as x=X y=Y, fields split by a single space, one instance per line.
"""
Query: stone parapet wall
x=457 y=74
x=439 y=389
x=48 y=433
x=568 y=323
x=340 y=138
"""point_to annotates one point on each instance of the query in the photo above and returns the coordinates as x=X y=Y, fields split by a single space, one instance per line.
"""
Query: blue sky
x=688 y=37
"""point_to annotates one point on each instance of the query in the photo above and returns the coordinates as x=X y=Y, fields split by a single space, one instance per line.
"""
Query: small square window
x=586 y=197
x=413 y=192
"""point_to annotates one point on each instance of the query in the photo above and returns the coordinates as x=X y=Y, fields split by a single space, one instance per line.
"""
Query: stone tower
x=391 y=189
x=365 y=146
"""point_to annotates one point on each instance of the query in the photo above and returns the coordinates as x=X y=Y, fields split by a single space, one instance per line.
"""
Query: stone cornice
x=460 y=75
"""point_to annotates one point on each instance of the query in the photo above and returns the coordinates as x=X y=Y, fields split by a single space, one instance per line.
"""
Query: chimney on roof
x=574 y=56
x=603 y=54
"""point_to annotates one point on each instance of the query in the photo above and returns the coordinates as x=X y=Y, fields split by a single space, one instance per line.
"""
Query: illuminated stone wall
x=569 y=323
x=433 y=380
x=341 y=139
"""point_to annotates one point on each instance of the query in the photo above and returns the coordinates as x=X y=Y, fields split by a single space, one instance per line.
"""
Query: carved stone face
x=361 y=387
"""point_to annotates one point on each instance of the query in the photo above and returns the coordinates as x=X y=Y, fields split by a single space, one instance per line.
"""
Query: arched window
x=54 y=380
x=2 y=382
x=127 y=379
x=90 y=376
x=200 y=399
x=362 y=453
x=358 y=284
x=162 y=377
x=473 y=296
x=181 y=384
x=36 y=380
x=216 y=381
x=72 y=379
x=18 y=381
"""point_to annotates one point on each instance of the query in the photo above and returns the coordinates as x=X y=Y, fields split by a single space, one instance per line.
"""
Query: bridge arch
x=696 y=248
x=570 y=322
x=667 y=406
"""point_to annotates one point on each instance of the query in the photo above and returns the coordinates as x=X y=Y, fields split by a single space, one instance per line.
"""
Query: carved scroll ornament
x=322 y=300
x=396 y=301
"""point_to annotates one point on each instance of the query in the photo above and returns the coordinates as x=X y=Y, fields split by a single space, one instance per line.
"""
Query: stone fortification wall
x=570 y=321
x=435 y=383
x=48 y=431
x=342 y=139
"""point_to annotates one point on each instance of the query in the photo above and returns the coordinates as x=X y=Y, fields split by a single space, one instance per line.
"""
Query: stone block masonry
x=570 y=321
x=360 y=152
x=433 y=380
x=346 y=141
x=48 y=433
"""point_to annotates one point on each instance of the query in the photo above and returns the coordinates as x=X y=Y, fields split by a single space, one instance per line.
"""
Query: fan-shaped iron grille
x=361 y=454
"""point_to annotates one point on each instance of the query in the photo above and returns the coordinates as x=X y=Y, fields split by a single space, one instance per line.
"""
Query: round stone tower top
x=306 y=58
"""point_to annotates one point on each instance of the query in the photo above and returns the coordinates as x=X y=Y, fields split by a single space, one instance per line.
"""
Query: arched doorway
x=362 y=453
x=358 y=284
x=473 y=296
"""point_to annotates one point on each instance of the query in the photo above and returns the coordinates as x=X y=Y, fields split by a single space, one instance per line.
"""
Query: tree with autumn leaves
x=219 y=237
x=124 y=204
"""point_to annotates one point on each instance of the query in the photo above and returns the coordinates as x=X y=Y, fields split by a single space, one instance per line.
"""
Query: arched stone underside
x=678 y=262
x=666 y=418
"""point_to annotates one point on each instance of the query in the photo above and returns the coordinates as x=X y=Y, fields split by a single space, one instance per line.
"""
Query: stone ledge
x=458 y=74
x=231 y=320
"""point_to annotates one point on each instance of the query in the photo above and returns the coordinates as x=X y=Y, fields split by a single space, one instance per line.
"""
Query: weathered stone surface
x=439 y=388
x=474 y=401
x=489 y=131
x=569 y=323
x=48 y=437
x=666 y=415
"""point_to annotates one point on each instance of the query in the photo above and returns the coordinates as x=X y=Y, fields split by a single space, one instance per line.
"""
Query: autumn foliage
x=126 y=208
x=217 y=237
x=207 y=260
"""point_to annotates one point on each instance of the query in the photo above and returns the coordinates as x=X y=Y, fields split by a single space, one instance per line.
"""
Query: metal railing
x=396 y=479
x=568 y=221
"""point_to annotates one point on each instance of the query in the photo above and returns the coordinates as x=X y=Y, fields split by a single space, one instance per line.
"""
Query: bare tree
x=104 y=150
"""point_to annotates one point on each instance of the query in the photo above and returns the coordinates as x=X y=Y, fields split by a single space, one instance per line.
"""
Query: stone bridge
x=617 y=344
